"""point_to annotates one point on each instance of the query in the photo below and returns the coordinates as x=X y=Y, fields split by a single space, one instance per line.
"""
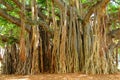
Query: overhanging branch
x=12 y=19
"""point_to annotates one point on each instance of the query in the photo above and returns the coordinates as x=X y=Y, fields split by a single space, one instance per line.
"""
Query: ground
x=72 y=76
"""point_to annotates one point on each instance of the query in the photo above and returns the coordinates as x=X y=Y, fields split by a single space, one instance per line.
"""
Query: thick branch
x=9 y=18
x=13 y=19
x=17 y=21
x=101 y=4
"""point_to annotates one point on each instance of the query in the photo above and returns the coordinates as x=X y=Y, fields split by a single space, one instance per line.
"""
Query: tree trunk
x=79 y=43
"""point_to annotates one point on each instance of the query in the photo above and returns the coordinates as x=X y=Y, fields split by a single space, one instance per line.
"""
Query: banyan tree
x=60 y=36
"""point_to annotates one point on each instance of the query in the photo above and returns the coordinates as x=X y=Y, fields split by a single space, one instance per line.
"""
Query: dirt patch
x=61 y=77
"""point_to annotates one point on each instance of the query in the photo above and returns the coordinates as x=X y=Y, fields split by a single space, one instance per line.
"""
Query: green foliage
x=42 y=3
x=113 y=10
x=112 y=7
x=9 y=30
